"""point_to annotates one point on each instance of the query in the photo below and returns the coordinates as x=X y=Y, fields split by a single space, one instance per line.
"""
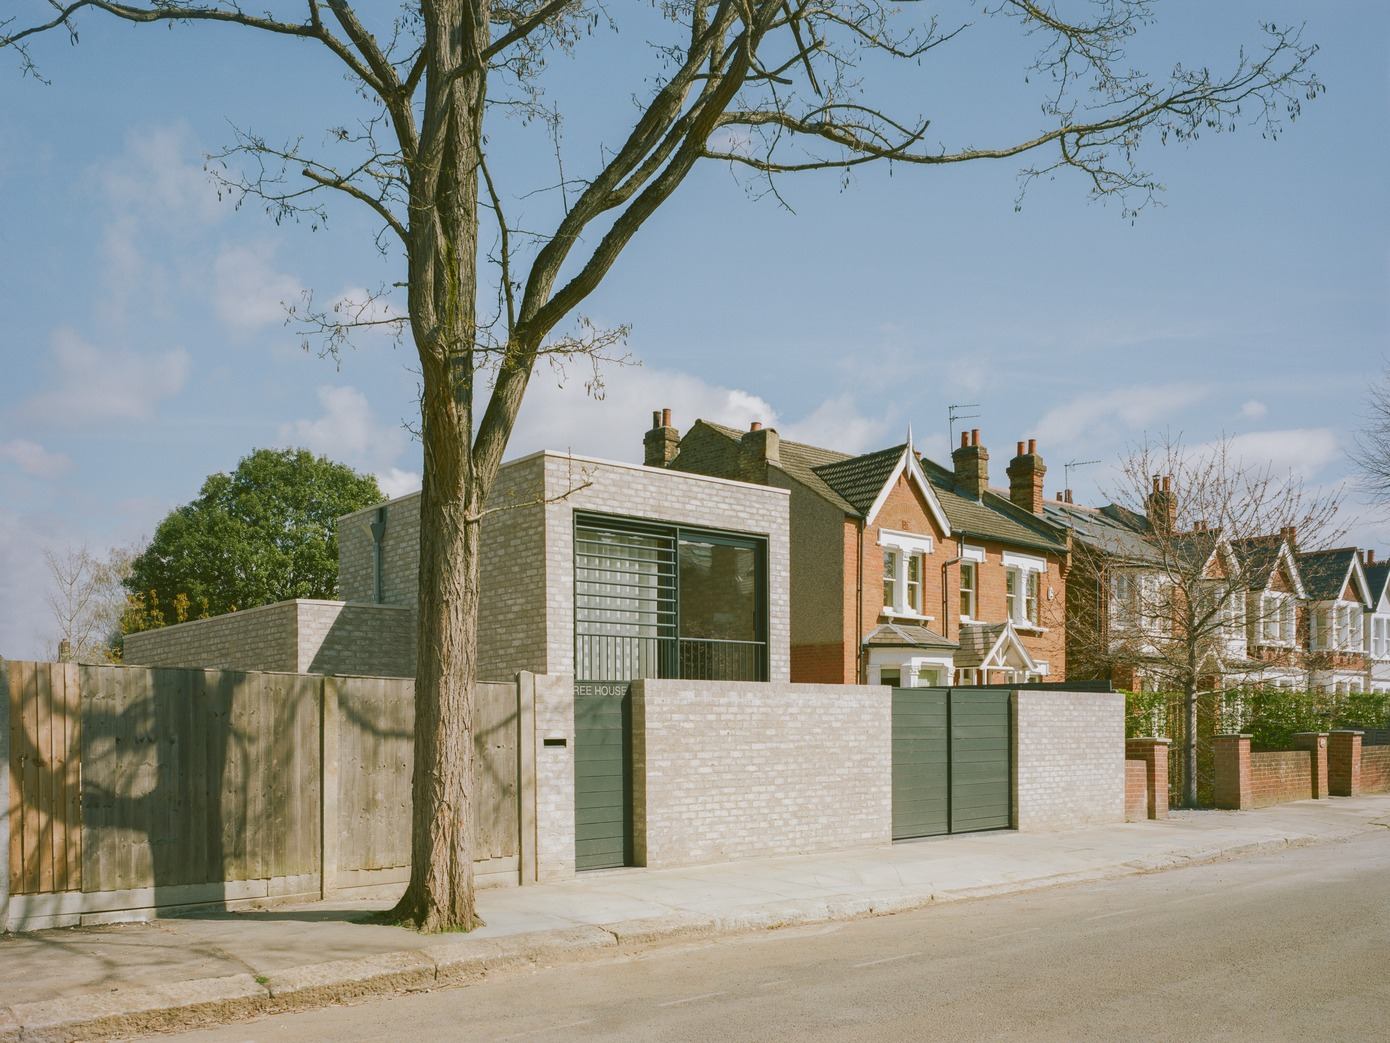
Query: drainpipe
x=379 y=557
x=860 y=672
x=945 y=598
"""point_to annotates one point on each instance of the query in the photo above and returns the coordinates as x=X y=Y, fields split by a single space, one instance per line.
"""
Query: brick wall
x=1375 y=769
x=730 y=770
x=262 y=638
x=1136 y=791
x=304 y=636
x=554 y=777
x=1070 y=759
x=1279 y=777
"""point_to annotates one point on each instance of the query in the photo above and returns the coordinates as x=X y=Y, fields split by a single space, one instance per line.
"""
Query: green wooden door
x=981 y=759
x=921 y=760
x=602 y=774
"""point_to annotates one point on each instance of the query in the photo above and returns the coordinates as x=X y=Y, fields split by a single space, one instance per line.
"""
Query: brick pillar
x=1344 y=763
x=1316 y=745
x=1232 y=756
x=1154 y=754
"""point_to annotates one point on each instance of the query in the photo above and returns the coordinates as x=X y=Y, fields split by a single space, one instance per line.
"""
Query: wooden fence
x=138 y=787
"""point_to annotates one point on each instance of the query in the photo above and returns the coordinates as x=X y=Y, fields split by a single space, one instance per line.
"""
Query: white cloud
x=95 y=384
x=248 y=291
x=159 y=175
x=349 y=432
x=1302 y=451
x=397 y=482
x=1253 y=410
x=33 y=459
x=1096 y=414
x=556 y=417
x=837 y=424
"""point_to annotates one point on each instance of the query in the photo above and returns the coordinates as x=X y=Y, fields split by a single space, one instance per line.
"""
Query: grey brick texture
x=1070 y=759
x=729 y=770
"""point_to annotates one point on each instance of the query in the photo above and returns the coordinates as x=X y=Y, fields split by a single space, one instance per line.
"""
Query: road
x=1294 y=945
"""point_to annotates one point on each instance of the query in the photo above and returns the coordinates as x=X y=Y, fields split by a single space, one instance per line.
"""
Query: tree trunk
x=1189 y=751
x=440 y=894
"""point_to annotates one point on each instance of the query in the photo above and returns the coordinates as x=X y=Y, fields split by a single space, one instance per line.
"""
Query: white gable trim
x=908 y=462
x=994 y=660
x=1286 y=556
x=1356 y=570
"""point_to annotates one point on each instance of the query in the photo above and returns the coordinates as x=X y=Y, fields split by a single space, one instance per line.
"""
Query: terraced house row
x=910 y=573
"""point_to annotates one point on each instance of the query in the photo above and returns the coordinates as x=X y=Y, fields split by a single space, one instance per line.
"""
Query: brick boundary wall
x=1344 y=763
x=1280 y=777
x=1375 y=769
x=1247 y=780
x=725 y=770
x=1136 y=791
x=1069 y=759
x=1153 y=752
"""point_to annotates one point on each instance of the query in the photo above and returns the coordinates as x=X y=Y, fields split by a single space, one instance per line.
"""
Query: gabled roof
x=901 y=635
x=1327 y=572
x=1378 y=579
x=865 y=481
x=846 y=481
x=1261 y=556
x=983 y=645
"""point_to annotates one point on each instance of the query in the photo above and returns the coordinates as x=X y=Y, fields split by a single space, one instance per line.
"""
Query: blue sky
x=145 y=345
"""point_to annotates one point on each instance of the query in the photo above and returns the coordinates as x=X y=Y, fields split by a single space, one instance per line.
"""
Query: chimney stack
x=662 y=442
x=1370 y=556
x=971 y=462
x=1290 y=535
x=1026 y=472
x=1161 y=507
x=758 y=448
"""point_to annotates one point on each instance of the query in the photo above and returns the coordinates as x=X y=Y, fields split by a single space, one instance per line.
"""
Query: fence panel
x=197 y=776
x=45 y=770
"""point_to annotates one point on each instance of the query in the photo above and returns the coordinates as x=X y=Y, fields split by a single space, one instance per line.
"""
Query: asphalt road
x=1294 y=945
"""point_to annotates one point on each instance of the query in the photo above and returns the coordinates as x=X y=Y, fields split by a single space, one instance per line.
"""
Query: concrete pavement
x=175 y=972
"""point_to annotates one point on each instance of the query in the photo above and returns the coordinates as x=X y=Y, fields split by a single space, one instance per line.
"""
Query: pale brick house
x=903 y=572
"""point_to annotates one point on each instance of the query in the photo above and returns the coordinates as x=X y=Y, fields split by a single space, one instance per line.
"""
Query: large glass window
x=656 y=601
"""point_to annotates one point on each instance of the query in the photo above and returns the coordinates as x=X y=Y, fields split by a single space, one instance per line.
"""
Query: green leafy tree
x=263 y=533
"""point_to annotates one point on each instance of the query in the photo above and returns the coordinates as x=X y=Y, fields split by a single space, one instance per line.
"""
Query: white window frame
x=973 y=590
x=901 y=546
x=1276 y=616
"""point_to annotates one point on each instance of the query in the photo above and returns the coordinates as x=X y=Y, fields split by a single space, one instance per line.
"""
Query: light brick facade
x=526 y=621
x=728 y=770
x=1069 y=767
x=303 y=636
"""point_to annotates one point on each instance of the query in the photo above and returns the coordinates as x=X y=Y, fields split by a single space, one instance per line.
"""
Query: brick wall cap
x=1346 y=731
x=1149 y=740
x=1297 y=734
x=1234 y=735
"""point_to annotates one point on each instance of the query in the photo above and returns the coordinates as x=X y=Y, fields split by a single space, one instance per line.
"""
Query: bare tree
x=1190 y=590
x=87 y=600
x=768 y=86
x=1372 y=449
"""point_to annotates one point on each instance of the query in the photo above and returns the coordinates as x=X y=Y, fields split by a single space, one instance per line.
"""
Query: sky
x=145 y=342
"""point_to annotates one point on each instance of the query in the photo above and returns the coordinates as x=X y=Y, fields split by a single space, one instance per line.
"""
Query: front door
x=602 y=774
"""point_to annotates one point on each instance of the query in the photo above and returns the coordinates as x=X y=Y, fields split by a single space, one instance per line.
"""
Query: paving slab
x=122 y=979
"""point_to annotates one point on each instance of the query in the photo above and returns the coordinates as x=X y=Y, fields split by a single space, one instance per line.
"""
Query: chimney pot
x=656 y=419
x=1069 y=499
x=1026 y=477
x=1032 y=445
x=756 y=425
x=1020 y=449
x=1060 y=497
x=665 y=418
x=661 y=444
x=974 y=436
x=964 y=439
x=1370 y=556
x=1167 y=483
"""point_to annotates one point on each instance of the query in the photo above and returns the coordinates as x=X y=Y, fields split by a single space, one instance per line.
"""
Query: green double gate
x=602 y=774
x=952 y=761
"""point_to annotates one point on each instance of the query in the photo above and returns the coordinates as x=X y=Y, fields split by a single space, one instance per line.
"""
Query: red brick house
x=903 y=572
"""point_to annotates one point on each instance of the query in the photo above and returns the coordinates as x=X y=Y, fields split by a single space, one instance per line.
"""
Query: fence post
x=5 y=810
x=328 y=786
x=1154 y=753
x=1344 y=763
x=1316 y=745
x=1232 y=756
x=526 y=777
